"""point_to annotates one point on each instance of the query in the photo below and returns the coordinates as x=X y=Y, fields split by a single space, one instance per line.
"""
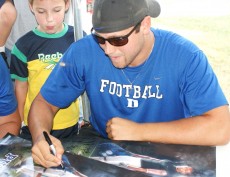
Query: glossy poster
x=87 y=154
x=16 y=161
x=144 y=158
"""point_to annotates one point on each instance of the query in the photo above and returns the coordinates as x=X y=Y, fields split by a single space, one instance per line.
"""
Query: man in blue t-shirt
x=9 y=116
x=144 y=84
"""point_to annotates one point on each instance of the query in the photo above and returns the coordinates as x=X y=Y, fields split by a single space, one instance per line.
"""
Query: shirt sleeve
x=8 y=103
x=200 y=87
x=65 y=83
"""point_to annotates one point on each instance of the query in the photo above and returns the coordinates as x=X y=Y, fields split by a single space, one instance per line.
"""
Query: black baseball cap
x=116 y=15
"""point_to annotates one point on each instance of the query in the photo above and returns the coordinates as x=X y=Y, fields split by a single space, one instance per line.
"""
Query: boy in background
x=33 y=58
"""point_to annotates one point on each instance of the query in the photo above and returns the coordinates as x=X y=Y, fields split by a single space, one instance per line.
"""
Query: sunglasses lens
x=120 y=41
x=99 y=39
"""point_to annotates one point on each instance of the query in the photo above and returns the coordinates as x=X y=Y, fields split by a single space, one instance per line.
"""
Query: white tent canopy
x=79 y=8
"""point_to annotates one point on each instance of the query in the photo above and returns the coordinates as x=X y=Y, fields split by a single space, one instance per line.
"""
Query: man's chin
x=118 y=66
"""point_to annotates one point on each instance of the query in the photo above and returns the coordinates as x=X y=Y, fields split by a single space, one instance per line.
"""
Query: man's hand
x=42 y=155
x=123 y=129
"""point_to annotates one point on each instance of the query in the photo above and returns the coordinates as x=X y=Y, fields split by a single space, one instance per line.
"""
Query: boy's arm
x=21 y=89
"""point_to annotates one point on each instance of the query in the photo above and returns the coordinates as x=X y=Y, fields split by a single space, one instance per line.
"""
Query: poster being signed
x=16 y=161
x=151 y=159
x=88 y=154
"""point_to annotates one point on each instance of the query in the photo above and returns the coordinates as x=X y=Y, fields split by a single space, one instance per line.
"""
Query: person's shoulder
x=165 y=34
x=169 y=38
x=80 y=45
x=70 y=27
x=25 y=42
x=87 y=41
x=71 y=30
x=25 y=37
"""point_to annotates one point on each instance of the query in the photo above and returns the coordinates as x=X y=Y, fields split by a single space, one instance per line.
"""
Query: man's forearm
x=212 y=128
x=40 y=117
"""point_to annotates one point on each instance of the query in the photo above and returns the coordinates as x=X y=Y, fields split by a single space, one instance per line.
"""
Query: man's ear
x=146 y=24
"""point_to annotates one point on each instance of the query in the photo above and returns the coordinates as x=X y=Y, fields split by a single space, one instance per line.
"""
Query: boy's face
x=49 y=14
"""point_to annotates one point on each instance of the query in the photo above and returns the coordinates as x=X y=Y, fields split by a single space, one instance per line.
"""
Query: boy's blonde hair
x=31 y=1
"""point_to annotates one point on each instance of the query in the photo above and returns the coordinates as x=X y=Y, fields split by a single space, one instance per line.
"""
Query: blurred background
x=207 y=24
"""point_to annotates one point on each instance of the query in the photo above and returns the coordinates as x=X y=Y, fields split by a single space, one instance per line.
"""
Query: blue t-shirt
x=8 y=103
x=175 y=82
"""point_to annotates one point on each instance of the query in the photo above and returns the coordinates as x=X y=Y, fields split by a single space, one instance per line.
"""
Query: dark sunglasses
x=115 y=41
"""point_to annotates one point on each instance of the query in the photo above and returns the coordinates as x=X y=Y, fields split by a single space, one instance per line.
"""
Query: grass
x=211 y=34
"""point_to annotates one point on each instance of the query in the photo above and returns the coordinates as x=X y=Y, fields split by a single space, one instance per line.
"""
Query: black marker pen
x=52 y=148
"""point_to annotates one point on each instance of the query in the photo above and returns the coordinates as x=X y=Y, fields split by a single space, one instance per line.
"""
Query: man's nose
x=108 y=48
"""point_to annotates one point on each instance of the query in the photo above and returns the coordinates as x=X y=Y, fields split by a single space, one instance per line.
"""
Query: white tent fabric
x=77 y=6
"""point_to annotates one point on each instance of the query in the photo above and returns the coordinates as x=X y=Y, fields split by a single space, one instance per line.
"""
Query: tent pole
x=78 y=34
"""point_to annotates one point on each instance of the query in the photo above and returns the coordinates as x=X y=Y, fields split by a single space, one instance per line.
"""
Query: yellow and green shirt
x=33 y=58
